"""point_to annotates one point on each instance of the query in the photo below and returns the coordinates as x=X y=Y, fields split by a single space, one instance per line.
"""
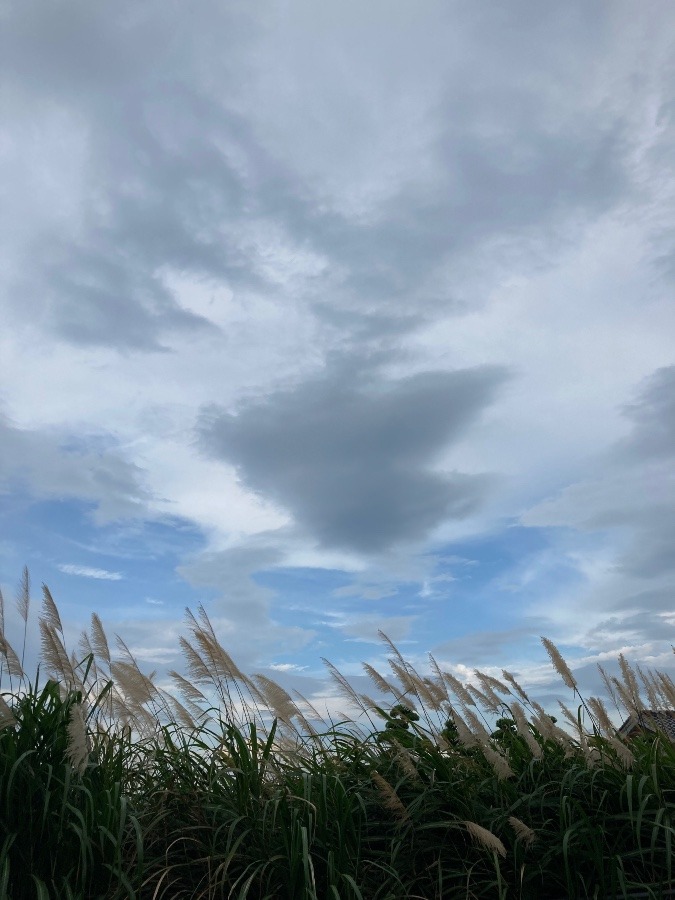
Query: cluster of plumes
x=473 y=706
x=213 y=686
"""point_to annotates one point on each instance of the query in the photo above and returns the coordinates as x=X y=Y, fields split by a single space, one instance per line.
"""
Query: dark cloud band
x=352 y=457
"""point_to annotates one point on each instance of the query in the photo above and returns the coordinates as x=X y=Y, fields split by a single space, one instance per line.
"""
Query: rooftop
x=650 y=720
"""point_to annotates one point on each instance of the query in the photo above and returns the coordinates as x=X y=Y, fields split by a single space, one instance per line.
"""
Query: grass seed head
x=500 y=764
x=464 y=733
x=597 y=707
x=485 y=838
x=515 y=685
x=6 y=715
x=623 y=752
x=55 y=655
x=630 y=682
x=390 y=798
x=523 y=832
x=77 y=751
x=524 y=730
x=13 y=662
x=559 y=664
x=458 y=689
x=50 y=611
x=23 y=597
x=99 y=640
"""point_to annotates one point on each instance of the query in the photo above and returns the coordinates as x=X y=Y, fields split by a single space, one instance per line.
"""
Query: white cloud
x=89 y=572
x=287 y=667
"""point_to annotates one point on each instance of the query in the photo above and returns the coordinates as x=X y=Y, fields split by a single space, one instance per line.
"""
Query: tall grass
x=229 y=787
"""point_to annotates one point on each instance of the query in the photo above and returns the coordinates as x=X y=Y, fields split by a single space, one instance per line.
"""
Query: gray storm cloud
x=353 y=462
x=164 y=133
x=632 y=496
x=653 y=418
x=51 y=464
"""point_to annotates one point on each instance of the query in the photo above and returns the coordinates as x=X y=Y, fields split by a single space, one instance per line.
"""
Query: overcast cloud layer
x=343 y=316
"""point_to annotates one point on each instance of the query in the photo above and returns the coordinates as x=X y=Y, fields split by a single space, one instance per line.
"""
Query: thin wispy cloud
x=286 y=667
x=89 y=572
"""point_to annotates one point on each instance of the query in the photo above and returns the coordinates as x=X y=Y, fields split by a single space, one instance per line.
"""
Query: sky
x=343 y=317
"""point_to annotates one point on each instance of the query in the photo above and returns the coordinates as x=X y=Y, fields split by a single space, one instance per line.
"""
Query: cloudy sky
x=339 y=317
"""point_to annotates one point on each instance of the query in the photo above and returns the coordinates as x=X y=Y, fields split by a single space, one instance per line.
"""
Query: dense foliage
x=110 y=787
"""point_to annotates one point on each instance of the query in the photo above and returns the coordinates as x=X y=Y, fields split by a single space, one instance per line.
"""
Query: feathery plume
x=183 y=715
x=591 y=753
x=543 y=724
x=649 y=687
x=14 y=666
x=624 y=696
x=369 y=703
x=50 y=611
x=548 y=729
x=389 y=796
x=23 y=599
x=144 y=722
x=120 y=708
x=6 y=714
x=623 y=752
x=458 y=689
x=490 y=701
x=487 y=698
x=278 y=701
x=99 y=639
x=304 y=727
x=569 y=715
x=494 y=683
x=498 y=761
x=77 y=751
x=84 y=646
x=137 y=687
x=524 y=730
x=607 y=681
x=197 y=668
x=392 y=646
x=380 y=681
x=559 y=664
x=667 y=687
x=310 y=708
x=345 y=689
x=205 y=635
x=485 y=838
x=523 y=832
x=197 y=712
x=439 y=695
x=405 y=680
x=515 y=685
x=187 y=688
x=86 y=653
x=630 y=682
x=54 y=653
x=415 y=684
x=405 y=760
x=599 y=712
x=442 y=743
x=218 y=668
x=477 y=727
x=464 y=733
x=480 y=737
x=439 y=681
x=409 y=677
